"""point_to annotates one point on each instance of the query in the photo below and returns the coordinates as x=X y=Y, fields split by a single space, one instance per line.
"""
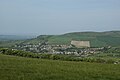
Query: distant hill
x=11 y=40
x=15 y=37
x=97 y=39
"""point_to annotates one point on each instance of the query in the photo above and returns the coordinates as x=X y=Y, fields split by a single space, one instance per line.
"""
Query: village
x=78 y=48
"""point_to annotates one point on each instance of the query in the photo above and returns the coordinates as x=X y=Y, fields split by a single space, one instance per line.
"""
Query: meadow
x=21 y=68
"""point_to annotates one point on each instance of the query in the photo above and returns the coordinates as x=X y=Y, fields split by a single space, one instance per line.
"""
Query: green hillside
x=19 y=68
x=97 y=39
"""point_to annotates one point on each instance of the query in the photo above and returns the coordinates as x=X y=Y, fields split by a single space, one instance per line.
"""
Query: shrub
x=52 y=56
x=110 y=61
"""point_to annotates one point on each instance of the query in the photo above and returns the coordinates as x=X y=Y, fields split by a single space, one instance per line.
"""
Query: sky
x=58 y=16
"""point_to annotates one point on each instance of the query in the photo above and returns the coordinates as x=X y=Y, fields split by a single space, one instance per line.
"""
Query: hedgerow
x=52 y=56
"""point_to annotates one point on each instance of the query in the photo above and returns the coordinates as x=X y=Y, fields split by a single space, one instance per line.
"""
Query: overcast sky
x=58 y=16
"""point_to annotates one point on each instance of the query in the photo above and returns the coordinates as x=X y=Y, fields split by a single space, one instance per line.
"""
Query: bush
x=110 y=61
x=100 y=60
x=52 y=56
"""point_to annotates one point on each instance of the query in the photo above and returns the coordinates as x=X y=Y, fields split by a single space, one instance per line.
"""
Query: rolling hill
x=97 y=39
x=11 y=40
x=15 y=37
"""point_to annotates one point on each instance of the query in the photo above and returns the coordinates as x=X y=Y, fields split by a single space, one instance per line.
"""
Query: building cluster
x=40 y=47
x=75 y=48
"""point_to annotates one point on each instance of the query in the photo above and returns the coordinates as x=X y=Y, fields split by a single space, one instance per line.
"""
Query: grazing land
x=20 y=68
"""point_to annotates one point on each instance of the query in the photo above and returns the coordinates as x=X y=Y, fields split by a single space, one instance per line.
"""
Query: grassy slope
x=97 y=39
x=19 y=68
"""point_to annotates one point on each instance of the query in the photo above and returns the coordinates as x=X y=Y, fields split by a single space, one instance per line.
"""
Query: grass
x=97 y=39
x=20 y=68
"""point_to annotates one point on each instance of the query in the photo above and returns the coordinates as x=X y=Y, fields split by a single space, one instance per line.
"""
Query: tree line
x=53 y=56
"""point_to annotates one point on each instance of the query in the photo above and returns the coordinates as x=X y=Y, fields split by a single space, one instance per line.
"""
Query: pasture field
x=20 y=68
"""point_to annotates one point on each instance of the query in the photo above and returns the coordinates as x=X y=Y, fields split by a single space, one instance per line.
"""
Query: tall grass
x=19 y=68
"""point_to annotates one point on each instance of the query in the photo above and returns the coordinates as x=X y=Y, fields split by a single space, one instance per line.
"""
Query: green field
x=20 y=68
